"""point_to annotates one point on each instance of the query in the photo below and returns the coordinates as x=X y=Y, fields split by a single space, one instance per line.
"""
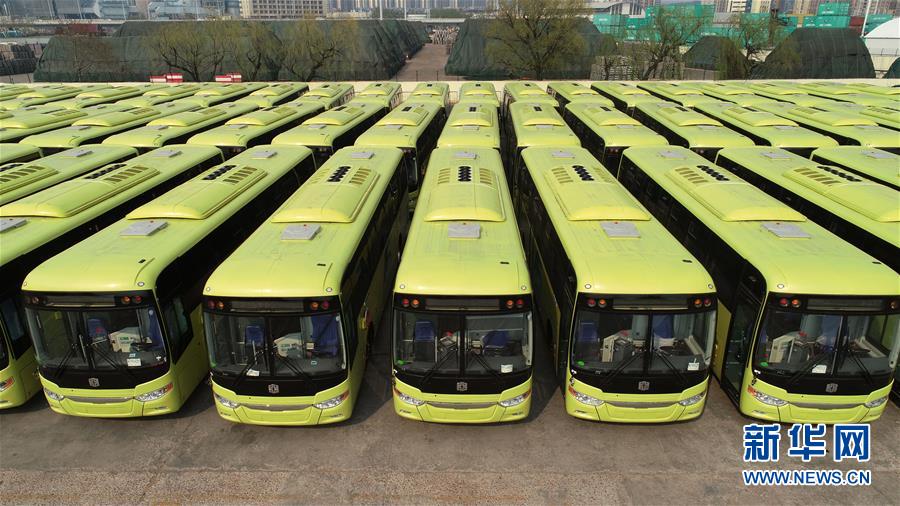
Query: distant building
x=283 y=9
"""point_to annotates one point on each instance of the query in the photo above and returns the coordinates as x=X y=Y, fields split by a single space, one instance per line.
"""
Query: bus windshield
x=4 y=358
x=454 y=344
x=286 y=345
x=607 y=341
x=97 y=339
x=828 y=344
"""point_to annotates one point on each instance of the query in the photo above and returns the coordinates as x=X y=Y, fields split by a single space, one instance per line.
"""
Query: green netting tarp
x=894 y=70
x=372 y=50
x=818 y=53
x=716 y=53
x=468 y=58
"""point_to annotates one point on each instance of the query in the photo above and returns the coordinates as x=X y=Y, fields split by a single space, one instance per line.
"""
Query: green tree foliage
x=530 y=38
x=754 y=35
x=197 y=49
x=661 y=40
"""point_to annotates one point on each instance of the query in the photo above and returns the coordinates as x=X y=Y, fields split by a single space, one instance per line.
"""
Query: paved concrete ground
x=426 y=65
x=377 y=457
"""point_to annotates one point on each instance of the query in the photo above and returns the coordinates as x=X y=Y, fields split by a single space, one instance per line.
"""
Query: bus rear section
x=462 y=334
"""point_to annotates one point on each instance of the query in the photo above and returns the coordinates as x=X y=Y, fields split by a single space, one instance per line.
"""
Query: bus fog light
x=690 y=401
x=515 y=401
x=333 y=402
x=154 y=394
x=584 y=398
x=766 y=398
x=53 y=396
x=6 y=384
x=408 y=398
x=225 y=402
x=876 y=402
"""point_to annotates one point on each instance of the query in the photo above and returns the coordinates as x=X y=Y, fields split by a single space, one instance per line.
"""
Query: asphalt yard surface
x=377 y=457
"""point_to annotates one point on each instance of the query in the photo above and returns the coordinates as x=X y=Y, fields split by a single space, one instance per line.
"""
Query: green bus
x=431 y=93
x=288 y=339
x=729 y=92
x=329 y=131
x=39 y=226
x=14 y=152
x=784 y=93
x=106 y=95
x=478 y=92
x=568 y=92
x=875 y=89
x=624 y=96
x=524 y=92
x=471 y=124
x=688 y=128
x=462 y=330
x=807 y=325
x=47 y=93
x=178 y=128
x=606 y=132
x=532 y=124
x=255 y=128
x=765 y=128
x=29 y=122
x=165 y=94
x=858 y=210
x=412 y=127
x=213 y=94
x=274 y=94
x=123 y=336
x=95 y=129
x=8 y=91
x=888 y=117
x=21 y=179
x=847 y=129
x=681 y=93
x=843 y=93
x=875 y=164
x=589 y=244
x=329 y=95
x=387 y=94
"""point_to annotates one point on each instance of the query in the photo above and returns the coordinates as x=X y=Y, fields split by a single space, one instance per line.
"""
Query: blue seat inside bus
x=423 y=341
x=325 y=336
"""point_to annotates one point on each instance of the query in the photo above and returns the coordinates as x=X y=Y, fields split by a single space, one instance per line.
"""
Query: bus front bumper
x=157 y=397
x=508 y=406
x=17 y=385
x=635 y=408
x=775 y=404
x=328 y=406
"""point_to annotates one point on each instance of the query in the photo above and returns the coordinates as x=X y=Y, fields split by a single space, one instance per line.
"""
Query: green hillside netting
x=716 y=53
x=377 y=51
x=894 y=71
x=818 y=53
x=468 y=55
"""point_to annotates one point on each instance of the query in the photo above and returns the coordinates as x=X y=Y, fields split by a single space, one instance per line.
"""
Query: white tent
x=885 y=39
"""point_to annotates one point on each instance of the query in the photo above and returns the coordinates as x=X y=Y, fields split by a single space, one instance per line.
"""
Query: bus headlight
x=690 y=401
x=154 y=394
x=6 y=384
x=408 y=398
x=766 y=398
x=515 y=401
x=333 y=402
x=876 y=402
x=584 y=398
x=53 y=396
x=225 y=402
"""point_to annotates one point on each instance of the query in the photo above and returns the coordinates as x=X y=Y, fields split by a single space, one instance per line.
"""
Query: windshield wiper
x=296 y=368
x=862 y=367
x=69 y=354
x=620 y=368
x=250 y=364
x=659 y=353
x=445 y=358
x=806 y=368
x=484 y=363
x=113 y=363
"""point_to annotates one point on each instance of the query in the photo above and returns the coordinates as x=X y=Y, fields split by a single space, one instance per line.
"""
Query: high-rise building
x=283 y=9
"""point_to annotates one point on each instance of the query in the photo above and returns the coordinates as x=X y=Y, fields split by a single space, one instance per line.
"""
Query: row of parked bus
x=645 y=242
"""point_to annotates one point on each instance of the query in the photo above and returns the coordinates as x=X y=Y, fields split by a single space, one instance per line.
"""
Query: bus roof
x=885 y=116
x=10 y=152
x=859 y=128
x=132 y=252
x=164 y=94
x=24 y=123
x=530 y=92
x=471 y=124
x=22 y=179
x=877 y=164
x=614 y=126
x=280 y=260
x=697 y=129
x=160 y=130
x=39 y=218
x=47 y=93
x=401 y=127
x=629 y=94
x=478 y=92
x=327 y=94
x=432 y=89
x=324 y=128
x=785 y=93
x=731 y=92
x=795 y=255
x=8 y=91
x=875 y=89
x=240 y=130
x=589 y=209
x=869 y=205
x=683 y=93
x=776 y=130
x=104 y=95
x=215 y=93
x=536 y=124
x=464 y=223
x=378 y=93
x=272 y=94
x=842 y=92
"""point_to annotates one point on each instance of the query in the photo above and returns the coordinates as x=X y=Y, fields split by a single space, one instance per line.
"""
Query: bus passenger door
x=739 y=343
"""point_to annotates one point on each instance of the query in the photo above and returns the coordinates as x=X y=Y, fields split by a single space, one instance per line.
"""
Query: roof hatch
x=757 y=118
x=405 y=116
x=263 y=117
x=186 y=119
x=588 y=194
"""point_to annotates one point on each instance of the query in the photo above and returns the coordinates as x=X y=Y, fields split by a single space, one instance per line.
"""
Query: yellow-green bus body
x=478 y=92
x=333 y=129
x=213 y=94
x=875 y=164
x=681 y=93
x=624 y=96
x=165 y=94
x=14 y=152
x=462 y=334
x=533 y=124
x=690 y=129
x=843 y=93
x=386 y=94
x=729 y=92
x=47 y=93
x=783 y=93
x=471 y=124
x=888 y=117
x=312 y=287
x=23 y=124
x=606 y=132
x=328 y=95
x=524 y=92
x=102 y=348
x=568 y=92
x=848 y=129
x=430 y=93
x=274 y=94
x=106 y=95
x=8 y=91
x=834 y=309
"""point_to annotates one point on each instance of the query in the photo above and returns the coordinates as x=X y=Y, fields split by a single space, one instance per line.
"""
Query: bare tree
x=197 y=48
x=672 y=27
x=90 y=56
x=534 y=37
x=753 y=35
x=311 y=47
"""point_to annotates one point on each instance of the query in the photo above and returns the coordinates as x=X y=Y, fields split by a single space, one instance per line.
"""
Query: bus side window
x=177 y=325
x=15 y=327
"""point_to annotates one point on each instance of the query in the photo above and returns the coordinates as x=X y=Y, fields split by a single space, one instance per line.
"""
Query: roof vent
x=166 y=153
x=465 y=155
x=144 y=228
x=338 y=174
x=582 y=173
x=786 y=230
x=77 y=153
x=562 y=154
x=464 y=231
x=301 y=232
x=263 y=154
x=104 y=171
x=620 y=229
x=361 y=155
x=878 y=154
x=671 y=154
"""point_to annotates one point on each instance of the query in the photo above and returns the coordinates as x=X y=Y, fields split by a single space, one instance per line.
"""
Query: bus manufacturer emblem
x=273 y=388
x=461 y=386
x=831 y=388
x=643 y=386
x=94 y=382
